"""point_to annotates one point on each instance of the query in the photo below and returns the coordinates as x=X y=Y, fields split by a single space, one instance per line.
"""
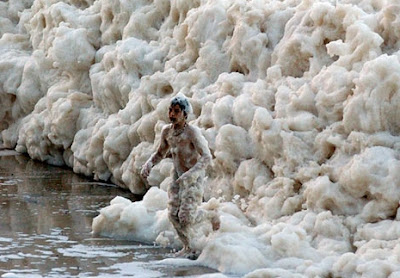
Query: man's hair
x=183 y=103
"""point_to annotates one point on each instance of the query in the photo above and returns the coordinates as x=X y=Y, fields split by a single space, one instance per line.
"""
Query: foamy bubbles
x=298 y=101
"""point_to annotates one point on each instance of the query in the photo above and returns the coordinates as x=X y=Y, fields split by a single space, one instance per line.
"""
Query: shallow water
x=46 y=214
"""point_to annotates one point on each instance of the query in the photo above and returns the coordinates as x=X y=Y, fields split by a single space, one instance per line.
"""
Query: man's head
x=183 y=104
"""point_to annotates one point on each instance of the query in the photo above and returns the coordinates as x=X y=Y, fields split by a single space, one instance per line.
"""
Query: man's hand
x=146 y=168
x=183 y=179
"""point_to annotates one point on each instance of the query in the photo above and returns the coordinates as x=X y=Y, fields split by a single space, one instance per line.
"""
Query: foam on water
x=299 y=101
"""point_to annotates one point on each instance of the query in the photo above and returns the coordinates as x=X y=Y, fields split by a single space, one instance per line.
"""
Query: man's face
x=176 y=114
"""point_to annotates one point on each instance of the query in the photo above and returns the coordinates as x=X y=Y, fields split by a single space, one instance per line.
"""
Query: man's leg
x=191 y=197
x=190 y=213
x=173 y=212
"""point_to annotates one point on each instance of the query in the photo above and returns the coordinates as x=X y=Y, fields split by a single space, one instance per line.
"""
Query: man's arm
x=157 y=156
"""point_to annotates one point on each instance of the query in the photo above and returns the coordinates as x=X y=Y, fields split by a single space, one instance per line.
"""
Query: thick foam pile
x=299 y=101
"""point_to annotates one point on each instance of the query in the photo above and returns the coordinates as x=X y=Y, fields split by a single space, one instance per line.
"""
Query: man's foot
x=187 y=253
x=193 y=255
x=183 y=252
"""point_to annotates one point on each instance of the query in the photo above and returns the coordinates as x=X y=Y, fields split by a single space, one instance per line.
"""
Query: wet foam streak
x=299 y=101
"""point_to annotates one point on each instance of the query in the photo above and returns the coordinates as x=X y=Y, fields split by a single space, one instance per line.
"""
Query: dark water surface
x=46 y=215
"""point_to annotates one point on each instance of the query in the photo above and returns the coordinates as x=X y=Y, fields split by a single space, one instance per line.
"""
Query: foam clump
x=297 y=99
x=141 y=221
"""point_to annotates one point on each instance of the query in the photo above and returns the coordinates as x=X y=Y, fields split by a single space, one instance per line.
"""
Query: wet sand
x=46 y=214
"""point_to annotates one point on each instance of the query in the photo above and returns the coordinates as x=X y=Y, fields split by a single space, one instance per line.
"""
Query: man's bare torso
x=183 y=148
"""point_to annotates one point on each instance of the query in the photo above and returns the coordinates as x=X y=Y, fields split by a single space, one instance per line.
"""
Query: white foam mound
x=299 y=101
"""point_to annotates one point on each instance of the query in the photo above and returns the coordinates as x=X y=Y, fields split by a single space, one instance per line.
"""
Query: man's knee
x=186 y=216
x=193 y=196
x=173 y=211
x=184 y=220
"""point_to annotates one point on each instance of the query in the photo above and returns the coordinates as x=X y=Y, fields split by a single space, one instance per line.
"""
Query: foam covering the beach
x=299 y=101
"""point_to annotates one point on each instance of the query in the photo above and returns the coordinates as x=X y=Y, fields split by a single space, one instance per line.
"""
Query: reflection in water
x=46 y=214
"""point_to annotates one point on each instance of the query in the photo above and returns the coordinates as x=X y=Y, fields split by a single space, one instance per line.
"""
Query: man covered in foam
x=191 y=155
